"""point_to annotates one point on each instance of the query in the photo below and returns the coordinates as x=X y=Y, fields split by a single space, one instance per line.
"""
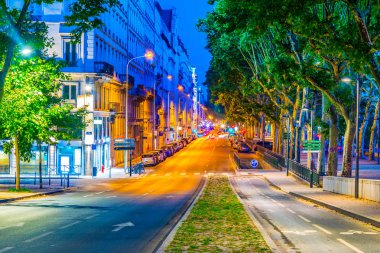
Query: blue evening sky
x=188 y=12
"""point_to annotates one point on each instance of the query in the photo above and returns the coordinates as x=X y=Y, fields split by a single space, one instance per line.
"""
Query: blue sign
x=254 y=163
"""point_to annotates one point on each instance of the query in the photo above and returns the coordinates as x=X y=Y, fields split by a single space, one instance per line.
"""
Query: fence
x=278 y=161
x=138 y=168
x=237 y=159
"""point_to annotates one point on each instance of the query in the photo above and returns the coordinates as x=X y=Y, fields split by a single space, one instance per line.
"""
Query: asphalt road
x=299 y=226
x=113 y=215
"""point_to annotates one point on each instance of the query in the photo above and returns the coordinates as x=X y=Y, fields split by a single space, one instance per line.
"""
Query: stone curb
x=356 y=216
x=31 y=196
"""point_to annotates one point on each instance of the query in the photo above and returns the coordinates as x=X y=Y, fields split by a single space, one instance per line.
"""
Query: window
x=70 y=54
x=69 y=91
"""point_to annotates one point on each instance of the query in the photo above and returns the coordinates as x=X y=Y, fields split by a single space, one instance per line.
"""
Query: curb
x=339 y=210
x=30 y=196
x=355 y=216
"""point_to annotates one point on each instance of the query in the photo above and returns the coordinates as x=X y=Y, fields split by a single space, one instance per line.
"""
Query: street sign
x=124 y=144
x=311 y=145
x=254 y=163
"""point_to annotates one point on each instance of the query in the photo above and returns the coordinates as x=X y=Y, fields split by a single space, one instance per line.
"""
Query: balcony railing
x=101 y=67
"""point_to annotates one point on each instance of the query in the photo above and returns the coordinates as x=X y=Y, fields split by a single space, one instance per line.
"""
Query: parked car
x=172 y=148
x=161 y=154
x=168 y=151
x=185 y=140
x=150 y=158
x=180 y=145
x=184 y=143
x=243 y=147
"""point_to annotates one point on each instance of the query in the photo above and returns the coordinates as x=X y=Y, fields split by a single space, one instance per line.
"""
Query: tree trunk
x=18 y=170
x=363 y=126
x=373 y=130
x=349 y=136
x=332 y=162
x=40 y=166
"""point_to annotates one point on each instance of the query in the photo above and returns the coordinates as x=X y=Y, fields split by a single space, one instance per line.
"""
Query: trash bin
x=94 y=171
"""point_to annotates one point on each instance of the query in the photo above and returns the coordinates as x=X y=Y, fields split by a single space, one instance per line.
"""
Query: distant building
x=159 y=91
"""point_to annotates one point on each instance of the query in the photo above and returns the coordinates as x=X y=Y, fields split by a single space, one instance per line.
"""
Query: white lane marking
x=307 y=220
x=122 y=225
x=306 y=232
x=145 y=194
x=5 y=249
x=99 y=193
x=38 y=237
x=154 y=175
x=350 y=246
x=351 y=232
x=280 y=204
x=183 y=174
x=88 y=195
x=196 y=174
x=70 y=225
x=110 y=197
x=290 y=210
x=92 y=216
x=168 y=174
x=211 y=173
x=20 y=224
x=322 y=229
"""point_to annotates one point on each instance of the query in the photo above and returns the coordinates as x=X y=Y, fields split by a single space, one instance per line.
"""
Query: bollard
x=61 y=180
x=15 y=178
x=35 y=177
x=49 y=178
x=68 y=180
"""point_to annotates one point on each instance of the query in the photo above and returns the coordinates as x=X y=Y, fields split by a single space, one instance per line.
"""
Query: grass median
x=218 y=223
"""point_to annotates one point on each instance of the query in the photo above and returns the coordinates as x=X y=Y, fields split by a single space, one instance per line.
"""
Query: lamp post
x=348 y=80
x=288 y=143
x=310 y=156
x=148 y=55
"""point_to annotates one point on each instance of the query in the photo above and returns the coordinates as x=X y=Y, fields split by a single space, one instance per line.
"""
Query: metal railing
x=304 y=172
x=31 y=169
x=269 y=158
x=5 y=169
x=138 y=168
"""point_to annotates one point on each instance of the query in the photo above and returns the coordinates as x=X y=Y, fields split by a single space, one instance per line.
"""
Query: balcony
x=101 y=67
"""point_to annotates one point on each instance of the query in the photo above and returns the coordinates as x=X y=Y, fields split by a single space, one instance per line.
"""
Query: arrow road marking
x=351 y=232
x=20 y=224
x=122 y=225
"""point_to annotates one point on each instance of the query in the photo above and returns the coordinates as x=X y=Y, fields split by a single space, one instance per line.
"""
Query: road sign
x=254 y=163
x=124 y=144
x=311 y=145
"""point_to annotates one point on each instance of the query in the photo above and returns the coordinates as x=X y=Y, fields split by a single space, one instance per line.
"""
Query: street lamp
x=26 y=51
x=149 y=56
x=348 y=80
x=288 y=144
x=310 y=156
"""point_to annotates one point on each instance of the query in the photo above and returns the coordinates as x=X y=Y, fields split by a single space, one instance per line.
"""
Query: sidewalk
x=363 y=210
x=6 y=196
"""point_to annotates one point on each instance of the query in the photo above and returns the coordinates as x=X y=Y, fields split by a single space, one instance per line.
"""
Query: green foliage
x=32 y=109
x=19 y=190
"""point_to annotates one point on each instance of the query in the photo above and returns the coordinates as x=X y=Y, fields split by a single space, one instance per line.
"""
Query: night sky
x=188 y=12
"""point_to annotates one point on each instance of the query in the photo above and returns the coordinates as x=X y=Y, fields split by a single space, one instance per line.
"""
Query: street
x=135 y=215
x=299 y=226
x=117 y=215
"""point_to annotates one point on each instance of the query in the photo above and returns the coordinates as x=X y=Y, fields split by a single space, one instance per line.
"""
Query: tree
x=18 y=28
x=32 y=110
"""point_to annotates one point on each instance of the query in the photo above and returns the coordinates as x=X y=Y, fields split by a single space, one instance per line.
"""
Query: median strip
x=218 y=223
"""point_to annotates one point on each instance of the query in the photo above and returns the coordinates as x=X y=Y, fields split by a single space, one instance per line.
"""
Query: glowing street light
x=149 y=56
x=26 y=51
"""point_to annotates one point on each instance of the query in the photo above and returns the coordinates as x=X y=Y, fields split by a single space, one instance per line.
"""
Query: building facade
x=110 y=76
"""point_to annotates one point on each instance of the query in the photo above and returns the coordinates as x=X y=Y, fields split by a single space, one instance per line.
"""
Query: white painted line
x=37 y=237
x=183 y=174
x=350 y=246
x=322 y=229
x=5 y=249
x=168 y=174
x=110 y=197
x=122 y=225
x=290 y=210
x=280 y=204
x=154 y=175
x=196 y=174
x=99 y=193
x=88 y=195
x=70 y=225
x=304 y=218
x=92 y=216
x=211 y=173
x=145 y=194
